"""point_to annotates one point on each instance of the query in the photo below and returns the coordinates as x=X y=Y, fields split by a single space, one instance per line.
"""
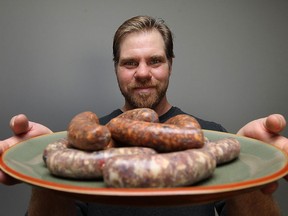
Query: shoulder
x=210 y=125
x=105 y=119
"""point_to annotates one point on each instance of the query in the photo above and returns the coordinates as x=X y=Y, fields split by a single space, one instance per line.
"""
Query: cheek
x=124 y=78
x=161 y=75
x=164 y=77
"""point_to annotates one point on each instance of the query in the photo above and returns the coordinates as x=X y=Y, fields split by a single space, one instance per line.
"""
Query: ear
x=115 y=69
x=170 y=63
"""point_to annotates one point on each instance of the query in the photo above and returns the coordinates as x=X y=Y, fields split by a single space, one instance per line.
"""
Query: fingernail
x=281 y=122
x=12 y=121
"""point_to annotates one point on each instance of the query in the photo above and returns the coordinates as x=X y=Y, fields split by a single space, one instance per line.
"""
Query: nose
x=143 y=72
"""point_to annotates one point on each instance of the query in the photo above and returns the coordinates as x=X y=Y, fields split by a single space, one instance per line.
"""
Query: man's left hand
x=268 y=130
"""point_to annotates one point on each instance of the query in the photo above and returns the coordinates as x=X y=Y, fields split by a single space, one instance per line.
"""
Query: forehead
x=138 y=43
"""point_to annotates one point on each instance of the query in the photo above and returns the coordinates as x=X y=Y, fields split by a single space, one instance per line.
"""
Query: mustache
x=142 y=85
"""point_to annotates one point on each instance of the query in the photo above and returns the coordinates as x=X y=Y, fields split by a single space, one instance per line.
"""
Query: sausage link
x=59 y=144
x=159 y=170
x=84 y=132
x=224 y=150
x=141 y=114
x=161 y=137
x=184 y=120
x=78 y=164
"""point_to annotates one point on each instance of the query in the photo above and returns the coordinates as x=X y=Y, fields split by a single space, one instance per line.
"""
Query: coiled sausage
x=84 y=132
x=184 y=120
x=159 y=136
x=59 y=144
x=224 y=150
x=78 y=164
x=141 y=114
x=159 y=170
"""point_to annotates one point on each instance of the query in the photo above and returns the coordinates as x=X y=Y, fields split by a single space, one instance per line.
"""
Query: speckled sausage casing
x=55 y=146
x=184 y=120
x=84 y=132
x=141 y=114
x=159 y=136
x=160 y=170
x=224 y=150
x=78 y=164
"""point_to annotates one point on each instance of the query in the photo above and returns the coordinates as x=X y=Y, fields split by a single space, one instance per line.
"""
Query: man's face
x=143 y=70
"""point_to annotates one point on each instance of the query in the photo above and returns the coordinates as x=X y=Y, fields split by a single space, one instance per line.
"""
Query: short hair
x=142 y=24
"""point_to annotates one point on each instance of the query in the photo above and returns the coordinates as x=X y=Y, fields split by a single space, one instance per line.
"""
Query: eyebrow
x=125 y=59
x=161 y=57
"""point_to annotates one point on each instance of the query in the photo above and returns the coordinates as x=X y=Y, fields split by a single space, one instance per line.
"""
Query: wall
x=56 y=60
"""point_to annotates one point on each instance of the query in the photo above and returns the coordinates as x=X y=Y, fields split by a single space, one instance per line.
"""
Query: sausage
x=224 y=150
x=78 y=164
x=84 y=132
x=159 y=136
x=141 y=114
x=59 y=144
x=159 y=170
x=184 y=120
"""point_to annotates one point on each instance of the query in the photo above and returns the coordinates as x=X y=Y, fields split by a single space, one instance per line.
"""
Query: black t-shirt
x=96 y=209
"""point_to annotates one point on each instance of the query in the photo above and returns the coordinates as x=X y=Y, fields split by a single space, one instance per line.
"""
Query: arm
x=23 y=129
x=252 y=203
x=46 y=202
x=260 y=202
x=42 y=202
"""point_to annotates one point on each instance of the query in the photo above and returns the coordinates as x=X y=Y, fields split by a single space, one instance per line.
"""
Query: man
x=143 y=57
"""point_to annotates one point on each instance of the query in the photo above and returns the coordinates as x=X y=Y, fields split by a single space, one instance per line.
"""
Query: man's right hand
x=23 y=129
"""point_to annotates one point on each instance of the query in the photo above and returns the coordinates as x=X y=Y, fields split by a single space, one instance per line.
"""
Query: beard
x=144 y=99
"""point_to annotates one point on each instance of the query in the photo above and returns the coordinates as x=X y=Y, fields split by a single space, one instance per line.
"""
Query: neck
x=162 y=107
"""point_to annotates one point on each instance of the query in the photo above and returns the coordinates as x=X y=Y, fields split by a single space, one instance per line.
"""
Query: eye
x=129 y=64
x=155 y=61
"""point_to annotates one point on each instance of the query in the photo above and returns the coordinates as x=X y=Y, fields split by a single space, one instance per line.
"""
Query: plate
x=258 y=164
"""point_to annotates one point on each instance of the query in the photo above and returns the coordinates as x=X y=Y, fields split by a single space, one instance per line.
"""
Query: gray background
x=56 y=60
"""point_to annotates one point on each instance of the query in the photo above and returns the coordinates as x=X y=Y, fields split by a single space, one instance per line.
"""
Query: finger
x=3 y=146
x=19 y=124
x=275 y=123
x=281 y=142
x=270 y=188
x=7 y=180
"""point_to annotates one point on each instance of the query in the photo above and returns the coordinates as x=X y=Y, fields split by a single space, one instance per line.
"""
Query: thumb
x=19 y=124
x=275 y=123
